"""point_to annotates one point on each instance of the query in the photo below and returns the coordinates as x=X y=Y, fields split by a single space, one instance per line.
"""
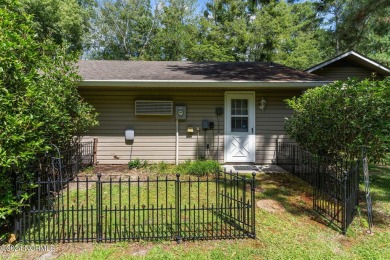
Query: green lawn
x=287 y=229
x=143 y=208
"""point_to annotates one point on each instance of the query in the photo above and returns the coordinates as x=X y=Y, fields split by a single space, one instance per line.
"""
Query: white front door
x=240 y=127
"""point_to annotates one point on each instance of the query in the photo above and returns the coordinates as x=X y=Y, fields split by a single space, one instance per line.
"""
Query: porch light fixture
x=262 y=104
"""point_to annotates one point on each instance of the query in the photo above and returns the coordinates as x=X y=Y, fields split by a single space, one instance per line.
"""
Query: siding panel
x=342 y=70
x=155 y=135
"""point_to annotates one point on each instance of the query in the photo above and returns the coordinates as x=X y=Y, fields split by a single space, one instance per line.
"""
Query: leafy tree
x=225 y=27
x=339 y=118
x=122 y=29
x=209 y=45
x=60 y=21
x=176 y=30
x=279 y=31
x=294 y=33
x=286 y=33
x=39 y=101
x=359 y=25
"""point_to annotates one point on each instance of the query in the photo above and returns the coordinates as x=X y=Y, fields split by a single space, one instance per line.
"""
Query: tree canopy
x=294 y=33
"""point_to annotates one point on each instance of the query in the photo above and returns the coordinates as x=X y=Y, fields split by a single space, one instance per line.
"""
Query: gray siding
x=270 y=123
x=342 y=70
x=155 y=135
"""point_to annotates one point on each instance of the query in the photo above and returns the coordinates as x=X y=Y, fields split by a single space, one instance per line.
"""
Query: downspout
x=197 y=143
x=218 y=139
x=177 y=142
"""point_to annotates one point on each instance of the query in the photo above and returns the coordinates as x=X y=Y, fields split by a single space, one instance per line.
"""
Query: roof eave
x=200 y=83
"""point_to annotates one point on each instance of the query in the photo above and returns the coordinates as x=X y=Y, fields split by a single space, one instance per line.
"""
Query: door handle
x=252 y=130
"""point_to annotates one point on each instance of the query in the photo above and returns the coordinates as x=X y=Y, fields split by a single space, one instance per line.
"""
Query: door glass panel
x=239 y=115
x=239 y=107
x=239 y=124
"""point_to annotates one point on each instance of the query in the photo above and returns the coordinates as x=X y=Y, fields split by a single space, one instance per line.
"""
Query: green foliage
x=229 y=30
x=176 y=30
x=339 y=118
x=286 y=33
x=294 y=33
x=182 y=167
x=359 y=25
x=124 y=29
x=162 y=167
x=199 y=168
x=225 y=31
x=139 y=164
x=60 y=21
x=135 y=164
x=39 y=100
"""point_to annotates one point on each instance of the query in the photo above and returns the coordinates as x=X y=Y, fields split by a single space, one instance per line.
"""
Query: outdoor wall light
x=262 y=104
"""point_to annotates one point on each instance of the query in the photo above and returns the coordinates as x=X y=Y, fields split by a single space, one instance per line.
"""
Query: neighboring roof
x=121 y=73
x=356 y=58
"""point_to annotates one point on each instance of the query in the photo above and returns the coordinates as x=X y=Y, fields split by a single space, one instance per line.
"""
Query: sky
x=201 y=4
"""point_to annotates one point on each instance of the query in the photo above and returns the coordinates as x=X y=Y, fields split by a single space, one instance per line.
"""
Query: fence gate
x=335 y=182
x=335 y=193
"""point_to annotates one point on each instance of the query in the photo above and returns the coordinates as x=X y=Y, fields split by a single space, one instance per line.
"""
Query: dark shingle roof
x=197 y=71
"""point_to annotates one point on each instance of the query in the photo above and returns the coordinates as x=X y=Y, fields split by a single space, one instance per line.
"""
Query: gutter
x=201 y=83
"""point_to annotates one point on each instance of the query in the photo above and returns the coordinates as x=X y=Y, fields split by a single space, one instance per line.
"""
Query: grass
x=140 y=208
x=197 y=168
x=380 y=193
x=295 y=232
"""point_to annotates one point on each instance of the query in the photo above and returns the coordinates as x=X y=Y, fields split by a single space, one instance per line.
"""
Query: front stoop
x=249 y=168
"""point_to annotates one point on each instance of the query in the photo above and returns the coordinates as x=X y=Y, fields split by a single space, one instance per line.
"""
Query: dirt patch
x=115 y=172
x=140 y=252
x=112 y=169
x=45 y=252
x=272 y=206
x=306 y=198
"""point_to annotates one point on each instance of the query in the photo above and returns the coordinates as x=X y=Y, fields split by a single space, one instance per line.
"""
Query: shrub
x=182 y=167
x=135 y=164
x=39 y=102
x=339 y=118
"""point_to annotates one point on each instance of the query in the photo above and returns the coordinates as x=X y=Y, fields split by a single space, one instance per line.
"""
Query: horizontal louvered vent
x=154 y=107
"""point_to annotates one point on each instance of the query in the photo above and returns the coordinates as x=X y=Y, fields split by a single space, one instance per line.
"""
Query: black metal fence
x=335 y=182
x=58 y=166
x=64 y=165
x=113 y=208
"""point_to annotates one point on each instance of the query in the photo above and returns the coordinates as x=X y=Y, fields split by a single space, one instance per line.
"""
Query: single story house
x=230 y=112
x=174 y=111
